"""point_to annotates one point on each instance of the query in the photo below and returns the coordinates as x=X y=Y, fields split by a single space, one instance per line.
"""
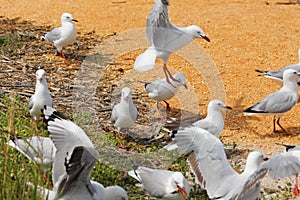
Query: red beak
x=40 y=79
x=206 y=38
x=182 y=192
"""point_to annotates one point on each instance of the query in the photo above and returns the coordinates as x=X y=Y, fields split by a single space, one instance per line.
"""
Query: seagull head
x=40 y=75
x=254 y=160
x=126 y=94
x=217 y=105
x=179 y=181
x=67 y=17
x=181 y=78
x=197 y=32
x=291 y=74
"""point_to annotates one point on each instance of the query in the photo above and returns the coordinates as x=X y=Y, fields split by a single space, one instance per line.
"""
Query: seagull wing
x=66 y=136
x=210 y=160
x=283 y=165
x=54 y=35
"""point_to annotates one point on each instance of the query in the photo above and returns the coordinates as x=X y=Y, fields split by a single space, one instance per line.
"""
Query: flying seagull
x=219 y=179
x=74 y=160
x=164 y=38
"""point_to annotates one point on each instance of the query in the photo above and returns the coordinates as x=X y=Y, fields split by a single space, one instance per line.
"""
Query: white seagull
x=102 y=193
x=124 y=114
x=162 y=184
x=278 y=75
x=62 y=36
x=164 y=38
x=41 y=95
x=214 y=120
x=38 y=149
x=74 y=160
x=280 y=101
x=219 y=179
x=160 y=90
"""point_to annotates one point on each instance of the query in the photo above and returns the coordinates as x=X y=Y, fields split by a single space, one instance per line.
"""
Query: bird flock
x=72 y=155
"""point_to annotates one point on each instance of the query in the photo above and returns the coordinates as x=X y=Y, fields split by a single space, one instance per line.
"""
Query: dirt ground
x=245 y=35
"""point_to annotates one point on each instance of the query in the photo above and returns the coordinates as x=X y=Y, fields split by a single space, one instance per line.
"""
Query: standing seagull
x=214 y=120
x=160 y=90
x=164 y=38
x=124 y=114
x=41 y=95
x=219 y=179
x=278 y=102
x=74 y=160
x=278 y=75
x=162 y=184
x=64 y=35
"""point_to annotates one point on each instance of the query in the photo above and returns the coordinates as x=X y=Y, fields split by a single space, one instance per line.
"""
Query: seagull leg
x=168 y=74
x=63 y=56
x=47 y=180
x=168 y=109
x=296 y=190
x=280 y=125
x=121 y=145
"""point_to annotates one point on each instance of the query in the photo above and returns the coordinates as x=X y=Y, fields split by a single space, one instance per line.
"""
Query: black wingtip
x=146 y=84
x=73 y=163
x=287 y=146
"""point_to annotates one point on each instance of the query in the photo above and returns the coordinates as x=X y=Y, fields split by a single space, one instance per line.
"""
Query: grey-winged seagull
x=62 y=36
x=160 y=90
x=278 y=74
x=279 y=102
x=164 y=38
x=124 y=114
x=41 y=95
x=74 y=160
x=39 y=149
x=219 y=179
x=162 y=184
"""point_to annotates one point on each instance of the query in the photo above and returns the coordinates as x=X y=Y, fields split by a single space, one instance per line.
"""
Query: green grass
x=10 y=44
x=16 y=170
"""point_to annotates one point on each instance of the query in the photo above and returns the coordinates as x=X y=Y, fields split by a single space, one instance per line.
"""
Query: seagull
x=280 y=101
x=288 y=148
x=40 y=97
x=214 y=120
x=164 y=38
x=62 y=36
x=278 y=75
x=102 y=193
x=38 y=149
x=74 y=160
x=124 y=114
x=219 y=179
x=160 y=90
x=162 y=184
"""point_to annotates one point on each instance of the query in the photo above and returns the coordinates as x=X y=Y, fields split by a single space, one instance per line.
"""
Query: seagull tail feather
x=146 y=60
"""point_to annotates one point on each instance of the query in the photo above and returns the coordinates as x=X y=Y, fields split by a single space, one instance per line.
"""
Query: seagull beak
x=228 y=107
x=40 y=79
x=182 y=192
x=205 y=38
x=186 y=87
x=74 y=20
x=126 y=98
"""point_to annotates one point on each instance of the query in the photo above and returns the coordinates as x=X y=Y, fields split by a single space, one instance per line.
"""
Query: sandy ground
x=245 y=35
